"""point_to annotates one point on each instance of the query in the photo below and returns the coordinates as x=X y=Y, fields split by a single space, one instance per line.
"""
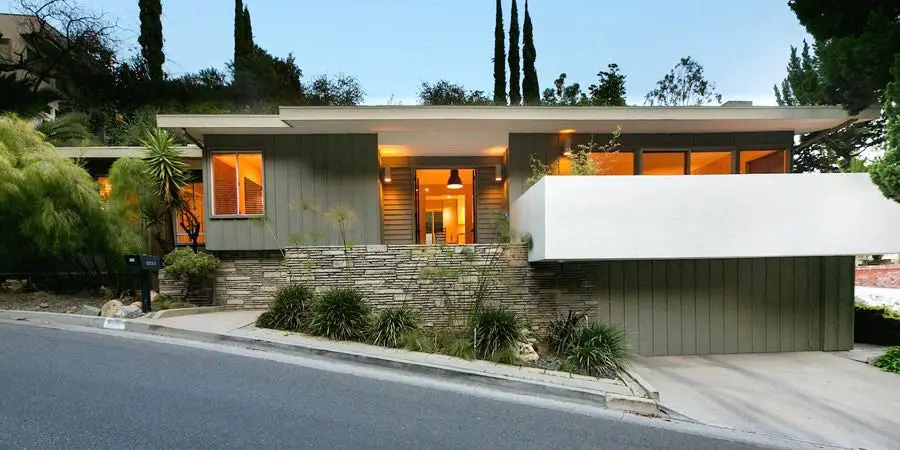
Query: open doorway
x=445 y=206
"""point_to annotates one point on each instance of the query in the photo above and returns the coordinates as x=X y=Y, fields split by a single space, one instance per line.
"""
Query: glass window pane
x=663 y=163
x=614 y=163
x=225 y=189
x=764 y=161
x=192 y=195
x=710 y=163
x=251 y=183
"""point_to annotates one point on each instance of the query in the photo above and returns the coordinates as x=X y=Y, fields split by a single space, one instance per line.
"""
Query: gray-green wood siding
x=715 y=306
x=547 y=147
x=302 y=172
x=398 y=207
x=490 y=205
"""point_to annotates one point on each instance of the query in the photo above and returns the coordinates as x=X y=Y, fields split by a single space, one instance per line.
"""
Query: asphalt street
x=68 y=389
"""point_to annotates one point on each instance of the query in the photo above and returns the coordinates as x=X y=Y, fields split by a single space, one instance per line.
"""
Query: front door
x=445 y=206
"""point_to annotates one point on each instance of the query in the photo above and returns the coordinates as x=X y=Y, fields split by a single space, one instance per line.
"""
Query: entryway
x=445 y=206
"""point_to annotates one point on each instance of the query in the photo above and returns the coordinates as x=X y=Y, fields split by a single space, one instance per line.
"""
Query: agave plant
x=392 y=323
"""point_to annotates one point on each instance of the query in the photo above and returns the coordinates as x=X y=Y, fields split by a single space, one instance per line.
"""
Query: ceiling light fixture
x=454 y=182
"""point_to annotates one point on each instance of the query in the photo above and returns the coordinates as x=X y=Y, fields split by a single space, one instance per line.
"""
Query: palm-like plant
x=67 y=129
x=168 y=172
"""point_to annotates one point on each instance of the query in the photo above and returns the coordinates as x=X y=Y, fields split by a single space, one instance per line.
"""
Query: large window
x=710 y=162
x=192 y=195
x=608 y=163
x=663 y=163
x=764 y=161
x=237 y=180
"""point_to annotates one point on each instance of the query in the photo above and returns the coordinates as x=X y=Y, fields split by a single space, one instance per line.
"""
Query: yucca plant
x=600 y=349
x=392 y=323
x=340 y=314
x=495 y=328
x=289 y=310
x=562 y=331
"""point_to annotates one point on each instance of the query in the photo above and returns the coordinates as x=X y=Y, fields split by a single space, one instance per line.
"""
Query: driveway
x=812 y=396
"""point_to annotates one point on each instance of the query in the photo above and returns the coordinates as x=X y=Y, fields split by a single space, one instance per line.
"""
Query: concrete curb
x=644 y=385
x=493 y=380
x=178 y=312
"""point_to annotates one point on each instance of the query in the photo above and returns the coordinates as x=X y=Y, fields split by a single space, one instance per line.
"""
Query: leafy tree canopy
x=444 y=92
x=684 y=85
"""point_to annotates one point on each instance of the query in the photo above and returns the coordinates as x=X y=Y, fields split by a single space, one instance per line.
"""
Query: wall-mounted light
x=498 y=173
x=387 y=174
x=567 y=146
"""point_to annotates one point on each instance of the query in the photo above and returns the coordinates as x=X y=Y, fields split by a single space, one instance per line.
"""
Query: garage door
x=713 y=306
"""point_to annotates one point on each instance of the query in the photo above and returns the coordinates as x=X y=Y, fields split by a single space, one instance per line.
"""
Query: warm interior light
x=498 y=173
x=387 y=174
x=567 y=147
x=454 y=182
x=567 y=131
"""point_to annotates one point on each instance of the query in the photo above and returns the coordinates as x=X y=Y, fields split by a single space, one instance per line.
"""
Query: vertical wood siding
x=398 y=207
x=715 y=306
x=302 y=172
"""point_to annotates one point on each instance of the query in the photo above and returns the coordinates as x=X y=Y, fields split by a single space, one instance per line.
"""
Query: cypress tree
x=530 y=88
x=499 y=59
x=238 y=30
x=515 y=94
x=151 y=38
x=248 y=31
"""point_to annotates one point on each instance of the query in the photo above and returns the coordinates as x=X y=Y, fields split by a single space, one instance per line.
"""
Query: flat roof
x=187 y=151
x=450 y=130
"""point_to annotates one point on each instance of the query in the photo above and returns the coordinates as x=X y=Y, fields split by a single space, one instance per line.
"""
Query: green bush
x=890 y=361
x=289 y=310
x=456 y=343
x=599 y=349
x=505 y=355
x=184 y=264
x=562 y=331
x=495 y=328
x=340 y=314
x=390 y=324
x=876 y=325
x=417 y=341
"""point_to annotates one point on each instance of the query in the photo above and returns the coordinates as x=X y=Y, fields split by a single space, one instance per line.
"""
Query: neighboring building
x=14 y=30
x=748 y=259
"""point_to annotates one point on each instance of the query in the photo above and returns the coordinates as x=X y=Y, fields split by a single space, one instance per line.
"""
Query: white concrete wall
x=711 y=216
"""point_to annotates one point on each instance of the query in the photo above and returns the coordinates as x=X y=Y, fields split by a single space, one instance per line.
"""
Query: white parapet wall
x=709 y=216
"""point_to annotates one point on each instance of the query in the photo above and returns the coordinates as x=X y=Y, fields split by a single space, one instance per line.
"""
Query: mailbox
x=143 y=265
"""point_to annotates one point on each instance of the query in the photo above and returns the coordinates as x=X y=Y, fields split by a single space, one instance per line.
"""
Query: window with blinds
x=237 y=184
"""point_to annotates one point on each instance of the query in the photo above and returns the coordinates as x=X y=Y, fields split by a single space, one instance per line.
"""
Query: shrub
x=417 y=341
x=289 y=310
x=599 y=349
x=876 y=325
x=495 y=328
x=390 y=324
x=195 y=269
x=505 y=355
x=890 y=361
x=340 y=314
x=562 y=331
x=456 y=343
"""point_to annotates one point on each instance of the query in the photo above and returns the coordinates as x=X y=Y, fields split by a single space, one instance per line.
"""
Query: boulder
x=153 y=295
x=138 y=304
x=526 y=353
x=88 y=310
x=44 y=305
x=111 y=308
x=130 y=312
x=15 y=285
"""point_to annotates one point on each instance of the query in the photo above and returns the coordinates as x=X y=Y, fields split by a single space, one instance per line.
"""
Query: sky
x=392 y=46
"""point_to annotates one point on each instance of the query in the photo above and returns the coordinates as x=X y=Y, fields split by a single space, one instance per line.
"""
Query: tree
x=69 y=129
x=856 y=43
x=515 y=93
x=610 y=90
x=499 y=59
x=19 y=96
x=684 y=85
x=167 y=173
x=242 y=46
x=444 y=92
x=803 y=86
x=530 y=88
x=151 y=37
x=885 y=172
x=342 y=90
x=262 y=81
x=564 y=95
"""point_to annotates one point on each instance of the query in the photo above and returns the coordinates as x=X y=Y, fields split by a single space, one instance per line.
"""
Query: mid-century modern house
x=696 y=237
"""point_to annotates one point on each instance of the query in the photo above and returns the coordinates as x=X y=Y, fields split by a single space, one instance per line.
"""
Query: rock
x=111 y=308
x=71 y=309
x=130 y=312
x=138 y=304
x=15 y=285
x=88 y=310
x=526 y=353
x=44 y=305
x=106 y=292
x=153 y=295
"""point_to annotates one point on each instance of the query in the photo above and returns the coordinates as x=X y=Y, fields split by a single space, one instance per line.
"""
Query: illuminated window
x=609 y=163
x=663 y=163
x=710 y=162
x=105 y=187
x=237 y=180
x=192 y=195
x=764 y=161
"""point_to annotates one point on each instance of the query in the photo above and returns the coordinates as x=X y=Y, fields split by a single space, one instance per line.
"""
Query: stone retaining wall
x=439 y=281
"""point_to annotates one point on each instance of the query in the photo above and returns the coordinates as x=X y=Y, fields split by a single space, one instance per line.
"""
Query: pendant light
x=454 y=182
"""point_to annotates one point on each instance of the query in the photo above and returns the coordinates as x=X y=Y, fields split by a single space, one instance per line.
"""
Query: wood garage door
x=714 y=306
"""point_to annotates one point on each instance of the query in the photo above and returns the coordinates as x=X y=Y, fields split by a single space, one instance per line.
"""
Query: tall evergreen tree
x=499 y=59
x=247 y=28
x=240 y=48
x=515 y=92
x=151 y=38
x=530 y=88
